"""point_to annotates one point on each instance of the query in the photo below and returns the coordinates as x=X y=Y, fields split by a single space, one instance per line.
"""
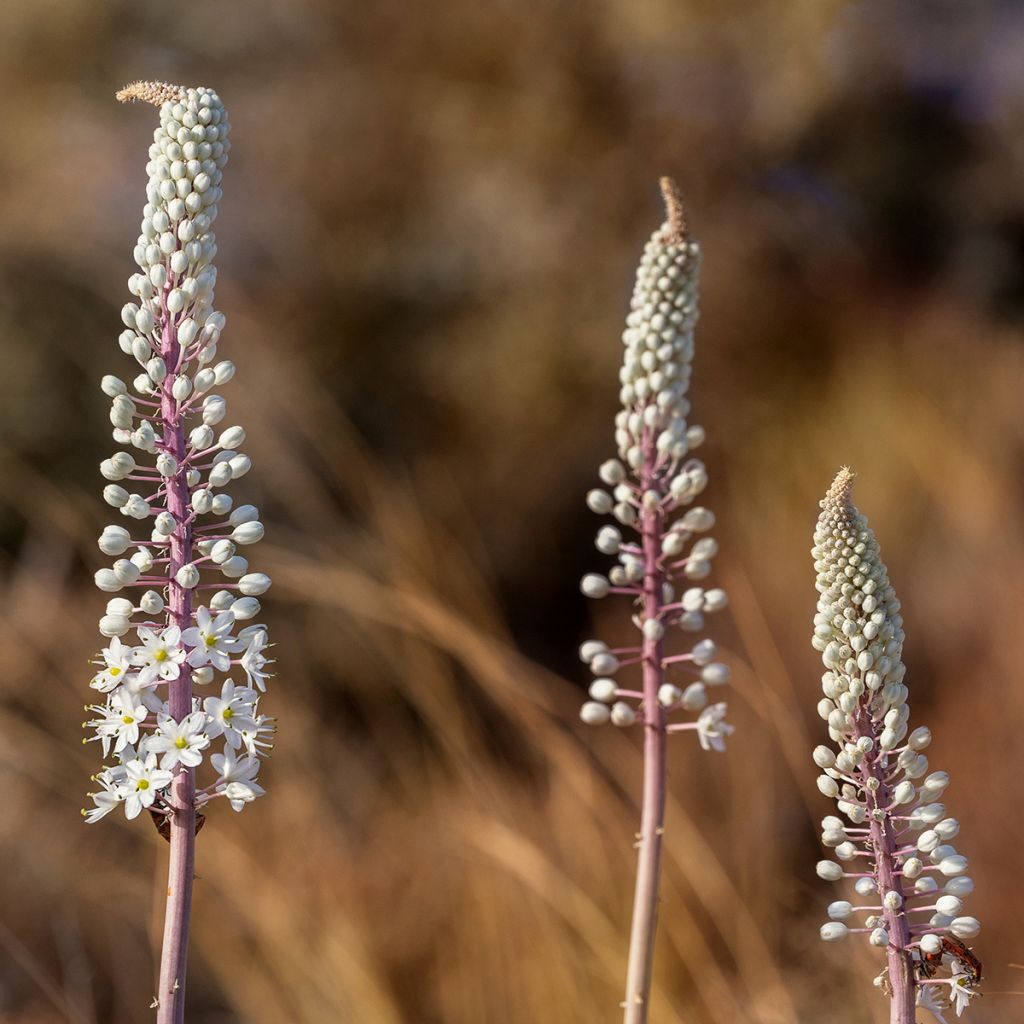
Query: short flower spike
x=895 y=843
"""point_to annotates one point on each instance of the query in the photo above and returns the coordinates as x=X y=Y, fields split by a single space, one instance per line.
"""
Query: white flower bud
x=114 y=625
x=231 y=438
x=965 y=927
x=181 y=388
x=235 y=567
x=603 y=690
x=220 y=474
x=622 y=714
x=214 y=410
x=254 y=584
x=187 y=576
x=829 y=870
x=221 y=551
x=108 y=581
x=600 y=502
x=116 y=496
x=114 y=540
x=240 y=465
x=879 y=937
x=112 y=386
x=840 y=910
x=828 y=786
x=605 y=664
x=834 y=931
x=824 y=757
x=594 y=585
x=594 y=713
x=151 y=603
x=166 y=465
x=716 y=674
x=245 y=608
x=669 y=695
x=247 y=533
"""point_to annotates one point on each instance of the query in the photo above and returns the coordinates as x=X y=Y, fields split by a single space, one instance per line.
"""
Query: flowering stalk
x=652 y=483
x=896 y=846
x=153 y=725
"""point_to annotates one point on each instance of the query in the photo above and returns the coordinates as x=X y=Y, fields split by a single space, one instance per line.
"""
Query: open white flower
x=231 y=714
x=161 y=653
x=929 y=998
x=180 y=742
x=712 y=727
x=118 y=722
x=961 y=989
x=110 y=796
x=237 y=778
x=117 y=664
x=211 y=641
x=143 y=783
x=253 y=661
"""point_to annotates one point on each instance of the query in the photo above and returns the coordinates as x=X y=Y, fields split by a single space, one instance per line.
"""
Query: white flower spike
x=895 y=845
x=660 y=557
x=175 y=543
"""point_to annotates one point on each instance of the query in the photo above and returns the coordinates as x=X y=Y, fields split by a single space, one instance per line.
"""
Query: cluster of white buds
x=192 y=620
x=660 y=542
x=894 y=839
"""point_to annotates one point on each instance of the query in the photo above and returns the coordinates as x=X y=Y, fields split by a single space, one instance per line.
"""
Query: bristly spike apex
x=157 y=93
x=674 y=231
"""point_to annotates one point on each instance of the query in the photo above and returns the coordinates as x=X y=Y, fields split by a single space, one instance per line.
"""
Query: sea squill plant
x=894 y=839
x=185 y=661
x=661 y=560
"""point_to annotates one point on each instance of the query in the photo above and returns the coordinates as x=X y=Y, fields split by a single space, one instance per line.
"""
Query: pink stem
x=645 y=900
x=182 y=818
x=903 y=998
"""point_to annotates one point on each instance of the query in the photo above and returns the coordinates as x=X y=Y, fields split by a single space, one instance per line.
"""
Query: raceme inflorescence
x=663 y=554
x=185 y=661
x=894 y=839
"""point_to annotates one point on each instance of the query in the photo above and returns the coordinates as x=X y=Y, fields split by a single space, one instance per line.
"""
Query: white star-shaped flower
x=161 y=654
x=211 y=641
x=143 y=783
x=110 y=796
x=117 y=664
x=231 y=714
x=180 y=742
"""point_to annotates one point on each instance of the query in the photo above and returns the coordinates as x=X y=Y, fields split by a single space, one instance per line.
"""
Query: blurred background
x=431 y=219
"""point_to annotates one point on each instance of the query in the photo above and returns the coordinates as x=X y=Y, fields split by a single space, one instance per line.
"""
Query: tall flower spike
x=653 y=485
x=192 y=623
x=895 y=842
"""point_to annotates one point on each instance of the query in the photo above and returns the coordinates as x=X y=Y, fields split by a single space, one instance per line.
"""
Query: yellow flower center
x=142 y=784
x=211 y=641
x=227 y=714
x=181 y=743
x=160 y=655
x=115 y=671
x=128 y=720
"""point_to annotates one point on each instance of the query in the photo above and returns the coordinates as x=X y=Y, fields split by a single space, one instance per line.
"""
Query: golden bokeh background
x=431 y=218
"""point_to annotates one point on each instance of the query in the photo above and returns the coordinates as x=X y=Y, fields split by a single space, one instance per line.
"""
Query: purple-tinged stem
x=181 y=870
x=903 y=998
x=652 y=819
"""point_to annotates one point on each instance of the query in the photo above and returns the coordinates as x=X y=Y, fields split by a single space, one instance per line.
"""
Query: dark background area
x=431 y=218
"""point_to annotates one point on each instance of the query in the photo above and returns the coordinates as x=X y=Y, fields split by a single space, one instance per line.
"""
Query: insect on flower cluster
x=894 y=839
x=187 y=603
x=659 y=541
